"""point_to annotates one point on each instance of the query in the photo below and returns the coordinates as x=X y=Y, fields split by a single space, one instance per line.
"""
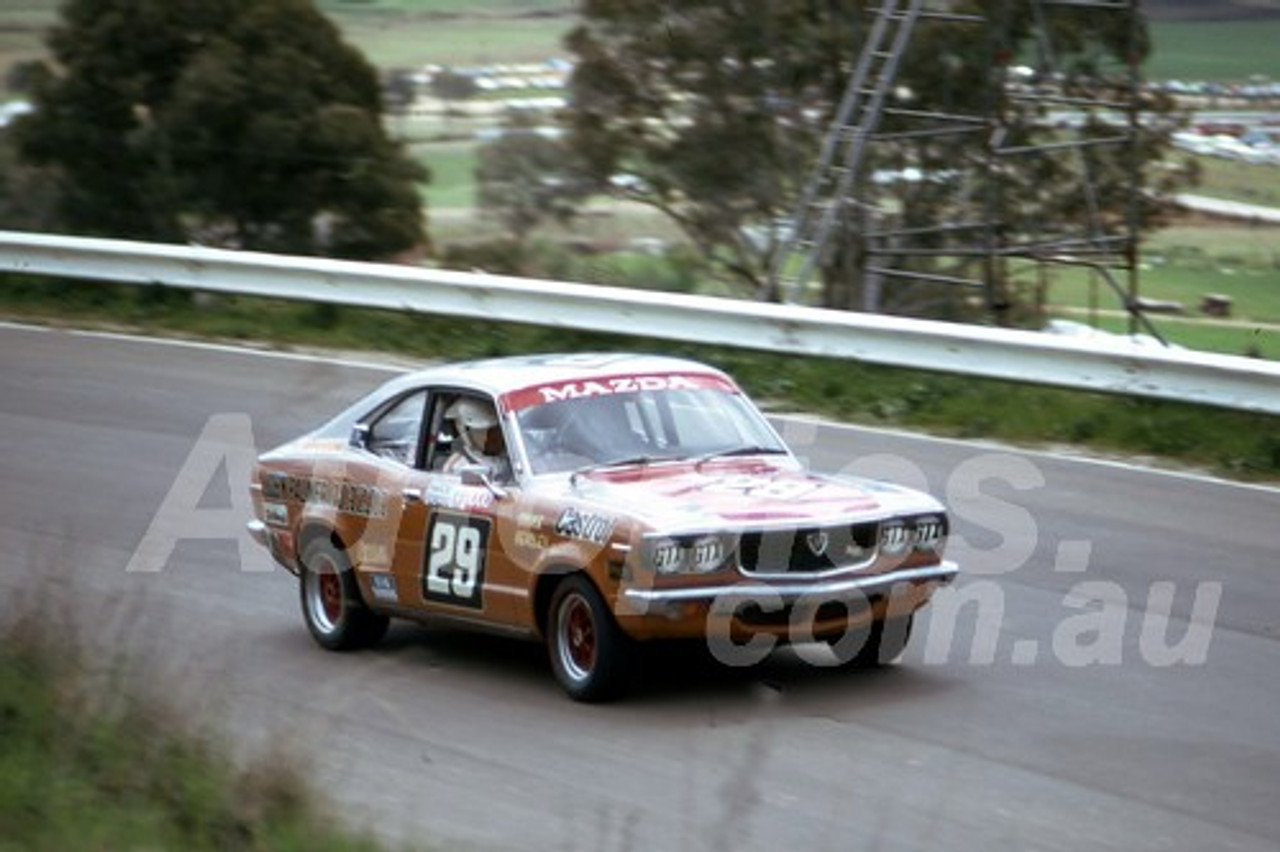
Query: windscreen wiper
x=612 y=463
x=745 y=450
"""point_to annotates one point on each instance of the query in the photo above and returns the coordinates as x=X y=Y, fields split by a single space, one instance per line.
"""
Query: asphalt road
x=1049 y=703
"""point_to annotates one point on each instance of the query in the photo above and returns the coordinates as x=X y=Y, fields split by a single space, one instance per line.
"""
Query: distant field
x=407 y=33
x=1183 y=264
x=460 y=33
x=474 y=32
x=446 y=7
x=452 y=182
x=1252 y=183
x=22 y=25
x=414 y=40
x=1239 y=339
x=1224 y=51
x=390 y=32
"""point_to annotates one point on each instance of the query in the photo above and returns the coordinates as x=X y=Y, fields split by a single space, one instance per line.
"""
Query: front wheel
x=589 y=652
x=336 y=614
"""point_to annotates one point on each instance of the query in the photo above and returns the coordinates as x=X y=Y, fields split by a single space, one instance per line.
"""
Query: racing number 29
x=456 y=548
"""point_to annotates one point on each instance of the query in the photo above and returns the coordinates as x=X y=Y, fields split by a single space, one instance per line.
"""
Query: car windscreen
x=571 y=434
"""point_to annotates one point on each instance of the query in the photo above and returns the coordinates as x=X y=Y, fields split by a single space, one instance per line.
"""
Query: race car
x=591 y=502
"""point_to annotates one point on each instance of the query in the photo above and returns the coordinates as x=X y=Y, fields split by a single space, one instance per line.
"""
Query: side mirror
x=478 y=475
x=360 y=436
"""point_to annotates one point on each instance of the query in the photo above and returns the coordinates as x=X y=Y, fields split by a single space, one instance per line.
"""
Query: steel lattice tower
x=984 y=238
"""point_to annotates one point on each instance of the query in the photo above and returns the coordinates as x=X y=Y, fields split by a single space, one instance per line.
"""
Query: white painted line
x=995 y=446
x=229 y=348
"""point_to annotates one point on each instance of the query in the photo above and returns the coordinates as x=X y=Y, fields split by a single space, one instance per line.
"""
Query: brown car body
x=641 y=498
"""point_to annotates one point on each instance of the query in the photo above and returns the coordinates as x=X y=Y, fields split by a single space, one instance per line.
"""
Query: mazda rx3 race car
x=591 y=502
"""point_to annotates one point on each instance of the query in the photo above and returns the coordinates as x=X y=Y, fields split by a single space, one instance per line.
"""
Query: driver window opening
x=466 y=432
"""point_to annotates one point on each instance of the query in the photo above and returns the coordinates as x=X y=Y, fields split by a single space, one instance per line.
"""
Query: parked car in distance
x=591 y=502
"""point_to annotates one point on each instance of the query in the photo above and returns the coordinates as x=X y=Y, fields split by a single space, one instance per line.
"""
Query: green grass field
x=465 y=32
x=452 y=164
x=1183 y=263
x=1236 y=339
x=417 y=40
x=444 y=7
x=391 y=33
x=1225 y=51
x=407 y=33
x=1235 y=181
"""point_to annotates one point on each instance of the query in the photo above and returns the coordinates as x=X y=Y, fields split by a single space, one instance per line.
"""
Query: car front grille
x=808 y=551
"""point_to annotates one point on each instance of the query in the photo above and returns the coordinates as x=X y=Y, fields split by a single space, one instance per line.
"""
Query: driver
x=479 y=438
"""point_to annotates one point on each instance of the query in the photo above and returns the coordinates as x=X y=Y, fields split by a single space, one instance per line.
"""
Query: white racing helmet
x=468 y=413
x=471 y=416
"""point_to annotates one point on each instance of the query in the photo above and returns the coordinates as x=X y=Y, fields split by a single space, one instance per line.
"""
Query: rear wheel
x=589 y=652
x=883 y=642
x=336 y=614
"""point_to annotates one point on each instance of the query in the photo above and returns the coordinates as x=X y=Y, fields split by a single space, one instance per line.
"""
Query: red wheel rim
x=577 y=637
x=331 y=597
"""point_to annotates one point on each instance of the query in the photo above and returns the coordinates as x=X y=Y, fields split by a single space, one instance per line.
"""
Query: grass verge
x=1231 y=443
x=87 y=763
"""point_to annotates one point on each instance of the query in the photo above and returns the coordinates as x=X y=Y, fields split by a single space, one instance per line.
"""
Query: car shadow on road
x=665 y=674
x=689 y=672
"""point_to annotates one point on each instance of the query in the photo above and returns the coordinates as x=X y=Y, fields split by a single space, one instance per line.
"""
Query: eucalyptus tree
x=248 y=123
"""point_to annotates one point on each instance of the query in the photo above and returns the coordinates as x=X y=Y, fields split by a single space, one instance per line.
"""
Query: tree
x=28 y=196
x=247 y=122
x=702 y=104
x=526 y=176
x=718 y=110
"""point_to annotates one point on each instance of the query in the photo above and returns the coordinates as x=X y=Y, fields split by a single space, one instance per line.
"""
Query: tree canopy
x=241 y=122
x=716 y=112
x=526 y=176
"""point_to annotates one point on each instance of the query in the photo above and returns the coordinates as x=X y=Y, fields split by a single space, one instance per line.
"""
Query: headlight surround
x=688 y=554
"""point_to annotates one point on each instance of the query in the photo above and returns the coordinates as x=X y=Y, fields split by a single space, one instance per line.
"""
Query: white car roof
x=499 y=376
x=504 y=375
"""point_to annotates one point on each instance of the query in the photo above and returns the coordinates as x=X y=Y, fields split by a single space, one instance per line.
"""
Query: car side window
x=397 y=433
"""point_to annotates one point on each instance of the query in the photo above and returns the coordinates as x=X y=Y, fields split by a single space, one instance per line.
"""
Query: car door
x=392 y=437
x=448 y=551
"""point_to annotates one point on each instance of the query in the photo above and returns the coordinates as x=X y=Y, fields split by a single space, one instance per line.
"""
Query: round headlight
x=895 y=537
x=687 y=554
x=668 y=556
x=706 y=554
x=930 y=532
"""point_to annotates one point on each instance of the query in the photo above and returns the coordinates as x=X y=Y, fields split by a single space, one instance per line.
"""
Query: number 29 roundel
x=456 y=549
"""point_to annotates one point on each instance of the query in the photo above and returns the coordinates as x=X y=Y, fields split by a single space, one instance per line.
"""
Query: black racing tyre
x=336 y=614
x=883 y=642
x=590 y=655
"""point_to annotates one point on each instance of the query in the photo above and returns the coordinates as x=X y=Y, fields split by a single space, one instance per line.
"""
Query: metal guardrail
x=1111 y=366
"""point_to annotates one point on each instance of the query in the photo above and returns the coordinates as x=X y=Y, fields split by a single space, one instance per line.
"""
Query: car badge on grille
x=817 y=541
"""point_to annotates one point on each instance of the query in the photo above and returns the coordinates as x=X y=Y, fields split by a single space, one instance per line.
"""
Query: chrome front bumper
x=858 y=587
